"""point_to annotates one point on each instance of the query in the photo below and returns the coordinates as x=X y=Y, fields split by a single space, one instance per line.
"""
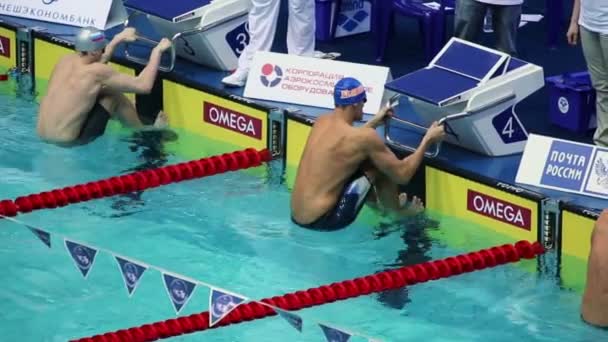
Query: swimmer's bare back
x=72 y=92
x=332 y=153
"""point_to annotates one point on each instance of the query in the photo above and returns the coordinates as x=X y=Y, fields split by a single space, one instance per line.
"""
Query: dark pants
x=469 y=17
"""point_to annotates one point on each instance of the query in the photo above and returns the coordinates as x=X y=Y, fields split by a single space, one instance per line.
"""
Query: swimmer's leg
x=125 y=111
x=388 y=197
x=121 y=108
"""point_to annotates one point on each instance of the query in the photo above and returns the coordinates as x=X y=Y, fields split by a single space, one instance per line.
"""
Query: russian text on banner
x=564 y=165
x=102 y=14
x=310 y=81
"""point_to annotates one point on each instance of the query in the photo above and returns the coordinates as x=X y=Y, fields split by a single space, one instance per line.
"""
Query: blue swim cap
x=349 y=91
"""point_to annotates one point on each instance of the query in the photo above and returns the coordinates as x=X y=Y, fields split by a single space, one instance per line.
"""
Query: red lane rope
x=136 y=181
x=387 y=280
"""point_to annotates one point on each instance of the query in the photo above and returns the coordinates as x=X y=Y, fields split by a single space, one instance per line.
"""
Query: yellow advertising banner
x=8 y=49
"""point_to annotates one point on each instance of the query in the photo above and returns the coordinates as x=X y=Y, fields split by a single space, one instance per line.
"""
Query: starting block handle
x=144 y=61
x=432 y=154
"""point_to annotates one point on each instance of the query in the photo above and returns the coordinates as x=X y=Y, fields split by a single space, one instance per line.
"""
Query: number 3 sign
x=238 y=38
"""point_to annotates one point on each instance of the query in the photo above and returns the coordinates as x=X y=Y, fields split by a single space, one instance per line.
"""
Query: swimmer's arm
x=374 y=122
x=140 y=84
x=399 y=171
x=109 y=50
x=127 y=35
x=379 y=118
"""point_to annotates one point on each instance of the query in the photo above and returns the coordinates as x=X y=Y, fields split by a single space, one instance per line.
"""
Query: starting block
x=473 y=91
x=212 y=33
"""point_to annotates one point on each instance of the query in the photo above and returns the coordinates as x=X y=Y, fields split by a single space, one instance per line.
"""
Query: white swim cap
x=90 y=39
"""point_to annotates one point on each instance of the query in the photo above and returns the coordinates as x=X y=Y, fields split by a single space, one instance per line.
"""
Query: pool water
x=233 y=231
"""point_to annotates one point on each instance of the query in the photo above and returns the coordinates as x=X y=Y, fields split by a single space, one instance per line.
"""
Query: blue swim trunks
x=346 y=210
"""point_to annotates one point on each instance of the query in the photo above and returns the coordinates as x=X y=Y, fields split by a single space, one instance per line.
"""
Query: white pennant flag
x=83 y=256
x=335 y=335
x=221 y=303
x=291 y=318
x=44 y=236
x=131 y=273
x=179 y=291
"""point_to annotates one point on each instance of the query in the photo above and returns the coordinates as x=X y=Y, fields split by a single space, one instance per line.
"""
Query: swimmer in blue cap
x=342 y=163
x=84 y=92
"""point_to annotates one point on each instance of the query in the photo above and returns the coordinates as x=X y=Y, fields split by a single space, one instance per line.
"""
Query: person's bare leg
x=388 y=197
x=594 y=307
x=121 y=108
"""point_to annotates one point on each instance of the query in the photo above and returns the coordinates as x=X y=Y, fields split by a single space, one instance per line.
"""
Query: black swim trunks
x=346 y=210
x=94 y=126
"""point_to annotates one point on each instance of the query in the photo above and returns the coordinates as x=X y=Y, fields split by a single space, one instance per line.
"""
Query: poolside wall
x=212 y=121
x=575 y=240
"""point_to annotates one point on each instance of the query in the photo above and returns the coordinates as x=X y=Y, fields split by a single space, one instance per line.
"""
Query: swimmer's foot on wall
x=162 y=121
x=414 y=207
x=161 y=127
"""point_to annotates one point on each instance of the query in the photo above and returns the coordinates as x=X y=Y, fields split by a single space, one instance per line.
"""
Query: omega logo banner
x=498 y=209
x=5 y=47
x=102 y=14
x=232 y=120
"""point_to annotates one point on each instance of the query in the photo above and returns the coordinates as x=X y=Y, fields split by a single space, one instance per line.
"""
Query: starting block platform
x=473 y=91
x=209 y=33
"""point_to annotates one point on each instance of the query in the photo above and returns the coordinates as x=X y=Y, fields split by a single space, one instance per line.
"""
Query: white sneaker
x=326 y=55
x=236 y=79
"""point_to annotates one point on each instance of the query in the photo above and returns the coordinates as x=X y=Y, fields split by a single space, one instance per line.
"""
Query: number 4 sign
x=508 y=127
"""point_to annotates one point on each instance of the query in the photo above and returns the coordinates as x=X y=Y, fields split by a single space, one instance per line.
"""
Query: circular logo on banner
x=131 y=273
x=271 y=75
x=178 y=291
x=563 y=105
x=222 y=305
x=82 y=257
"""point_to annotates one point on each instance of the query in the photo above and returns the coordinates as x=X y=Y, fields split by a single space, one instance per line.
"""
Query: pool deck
x=497 y=169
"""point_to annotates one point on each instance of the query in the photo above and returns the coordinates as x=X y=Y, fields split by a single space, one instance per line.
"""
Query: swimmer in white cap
x=84 y=92
x=342 y=163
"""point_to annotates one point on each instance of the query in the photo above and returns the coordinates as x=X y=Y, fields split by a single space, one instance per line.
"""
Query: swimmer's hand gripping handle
x=431 y=154
x=143 y=61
